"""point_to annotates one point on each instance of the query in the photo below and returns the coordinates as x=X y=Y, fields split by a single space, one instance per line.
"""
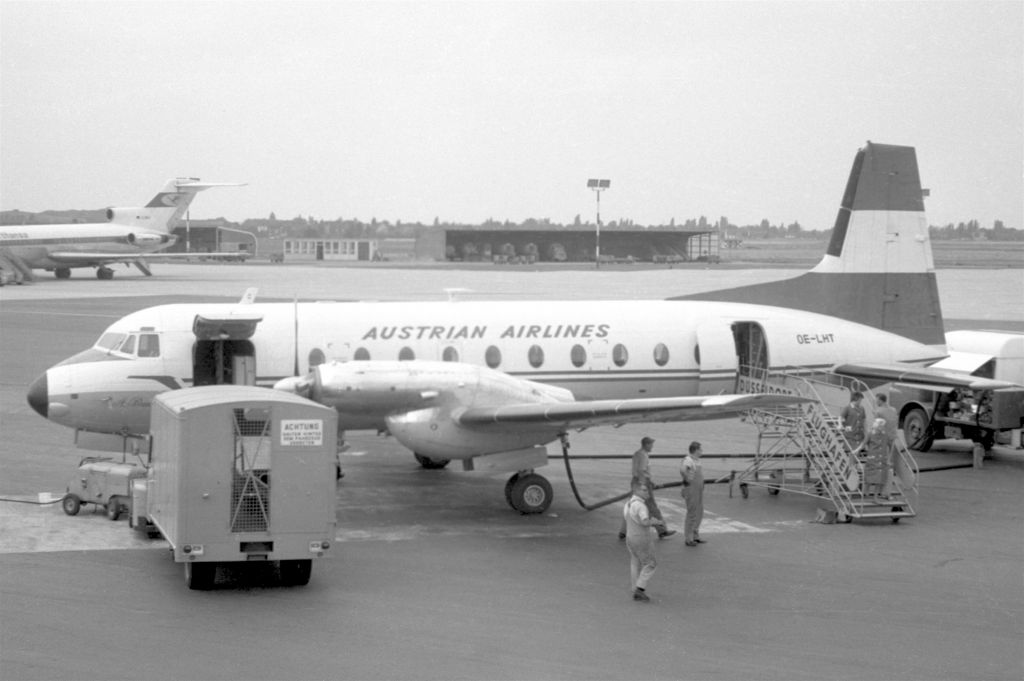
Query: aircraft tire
x=296 y=572
x=531 y=494
x=104 y=273
x=429 y=463
x=917 y=431
x=200 y=576
x=508 y=489
x=71 y=504
x=62 y=273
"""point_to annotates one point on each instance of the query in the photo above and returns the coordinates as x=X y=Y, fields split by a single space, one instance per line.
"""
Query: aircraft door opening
x=223 y=352
x=752 y=350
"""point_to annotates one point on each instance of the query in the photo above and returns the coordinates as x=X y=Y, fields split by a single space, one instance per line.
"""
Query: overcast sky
x=470 y=111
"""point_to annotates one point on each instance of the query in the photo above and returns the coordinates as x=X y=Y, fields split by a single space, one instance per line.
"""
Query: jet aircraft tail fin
x=164 y=209
x=878 y=268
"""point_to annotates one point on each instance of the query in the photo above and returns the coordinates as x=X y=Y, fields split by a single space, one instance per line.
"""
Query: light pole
x=597 y=186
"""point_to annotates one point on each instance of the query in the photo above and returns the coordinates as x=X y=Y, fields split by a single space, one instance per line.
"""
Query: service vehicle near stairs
x=929 y=412
x=241 y=474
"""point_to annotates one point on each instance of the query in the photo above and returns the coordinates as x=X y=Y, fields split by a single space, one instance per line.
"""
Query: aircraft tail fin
x=164 y=209
x=878 y=268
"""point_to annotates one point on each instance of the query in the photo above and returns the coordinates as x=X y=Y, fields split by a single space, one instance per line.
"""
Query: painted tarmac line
x=39 y=525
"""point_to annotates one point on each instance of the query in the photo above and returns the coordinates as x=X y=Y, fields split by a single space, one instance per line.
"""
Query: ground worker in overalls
x=693 y=493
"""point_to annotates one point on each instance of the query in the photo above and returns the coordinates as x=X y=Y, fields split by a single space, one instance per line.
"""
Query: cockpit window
x=149 y=345
x=110 y=341
x=128 y=347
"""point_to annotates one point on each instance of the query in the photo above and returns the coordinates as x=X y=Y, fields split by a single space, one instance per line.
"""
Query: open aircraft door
x=716 y=358
x=223 y=352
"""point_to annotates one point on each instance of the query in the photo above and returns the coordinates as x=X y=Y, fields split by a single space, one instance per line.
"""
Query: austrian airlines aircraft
x=129 y=236
x=491 y=383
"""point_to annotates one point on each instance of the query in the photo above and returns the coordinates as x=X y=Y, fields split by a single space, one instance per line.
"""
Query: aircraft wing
x=926 y=377
x=584 y=414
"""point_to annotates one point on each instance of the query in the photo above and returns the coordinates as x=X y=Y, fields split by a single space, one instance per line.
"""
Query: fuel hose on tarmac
x=619 y=497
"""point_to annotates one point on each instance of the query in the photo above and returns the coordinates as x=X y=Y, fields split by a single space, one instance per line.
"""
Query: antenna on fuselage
x=295 y=316
x=452 y=292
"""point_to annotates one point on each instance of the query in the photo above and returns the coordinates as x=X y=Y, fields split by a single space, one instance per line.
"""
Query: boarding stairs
x=803 y=448
x=19 y=269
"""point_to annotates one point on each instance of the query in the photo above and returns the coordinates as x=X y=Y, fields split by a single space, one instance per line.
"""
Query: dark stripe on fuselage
x=170 y=382
x=70 y=240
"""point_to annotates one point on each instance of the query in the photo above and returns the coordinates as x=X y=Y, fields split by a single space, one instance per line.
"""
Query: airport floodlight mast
x=598 y=186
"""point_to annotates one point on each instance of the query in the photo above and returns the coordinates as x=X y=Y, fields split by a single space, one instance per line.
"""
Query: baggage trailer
x=239 y=474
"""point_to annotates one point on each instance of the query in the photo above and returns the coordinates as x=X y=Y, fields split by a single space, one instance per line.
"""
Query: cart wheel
x=773 y=490
x=296 y=572
x=71 y=504
x=200 y=576
x=113 y=508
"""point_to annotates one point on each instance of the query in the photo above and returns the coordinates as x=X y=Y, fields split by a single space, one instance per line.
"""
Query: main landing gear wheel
x=917 y=431
x=104 y=273
x=431 y=464
x=529 y=493
x=62 y=273
x=71 y=504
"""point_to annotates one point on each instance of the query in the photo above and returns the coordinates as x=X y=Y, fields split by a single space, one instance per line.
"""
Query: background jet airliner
x=130 y=236
x=491 y=383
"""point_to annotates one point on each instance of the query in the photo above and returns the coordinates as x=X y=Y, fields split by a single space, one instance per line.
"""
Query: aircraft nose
x=39 y=396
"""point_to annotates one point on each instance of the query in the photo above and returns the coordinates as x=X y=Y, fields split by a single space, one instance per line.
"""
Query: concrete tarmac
x=432 y=575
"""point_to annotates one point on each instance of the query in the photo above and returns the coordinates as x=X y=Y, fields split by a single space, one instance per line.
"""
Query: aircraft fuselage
x=595 y=349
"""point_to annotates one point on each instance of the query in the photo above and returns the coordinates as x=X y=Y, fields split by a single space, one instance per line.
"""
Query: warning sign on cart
x=302 y=432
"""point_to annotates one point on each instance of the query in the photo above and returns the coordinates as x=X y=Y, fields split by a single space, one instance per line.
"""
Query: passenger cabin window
x=620 y=355
x=149 y=345
x=536 y=356
x=578 y=356
x=493 y=357
x=661 y=354
x=406 y=354
x=450 y=354
x=361 y=355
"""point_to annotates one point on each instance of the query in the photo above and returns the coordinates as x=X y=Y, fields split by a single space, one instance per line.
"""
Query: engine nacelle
x=434 y=433
x=126 y=216
x=149 y=238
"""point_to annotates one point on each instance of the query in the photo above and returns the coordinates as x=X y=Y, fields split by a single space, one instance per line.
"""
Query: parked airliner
x=130 y=235
x=491 y=383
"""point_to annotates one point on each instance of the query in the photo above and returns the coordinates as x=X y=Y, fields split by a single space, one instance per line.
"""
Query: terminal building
x=512 y=245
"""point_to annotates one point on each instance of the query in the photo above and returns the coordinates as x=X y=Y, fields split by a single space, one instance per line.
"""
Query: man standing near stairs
x=892 y=424
x=852 y=416
x=693 y=493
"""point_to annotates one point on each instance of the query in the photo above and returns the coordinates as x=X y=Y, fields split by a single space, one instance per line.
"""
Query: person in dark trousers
x=693 y=493
x=892 y=425
x=642 y=473
x=852 y=416
x=640 y=540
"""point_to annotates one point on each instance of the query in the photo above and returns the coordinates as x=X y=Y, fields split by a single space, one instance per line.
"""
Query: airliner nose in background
x=129 y=236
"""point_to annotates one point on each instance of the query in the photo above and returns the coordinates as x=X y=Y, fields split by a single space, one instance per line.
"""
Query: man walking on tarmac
x=642 y=473
x=639 y=539
x=693 y=493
